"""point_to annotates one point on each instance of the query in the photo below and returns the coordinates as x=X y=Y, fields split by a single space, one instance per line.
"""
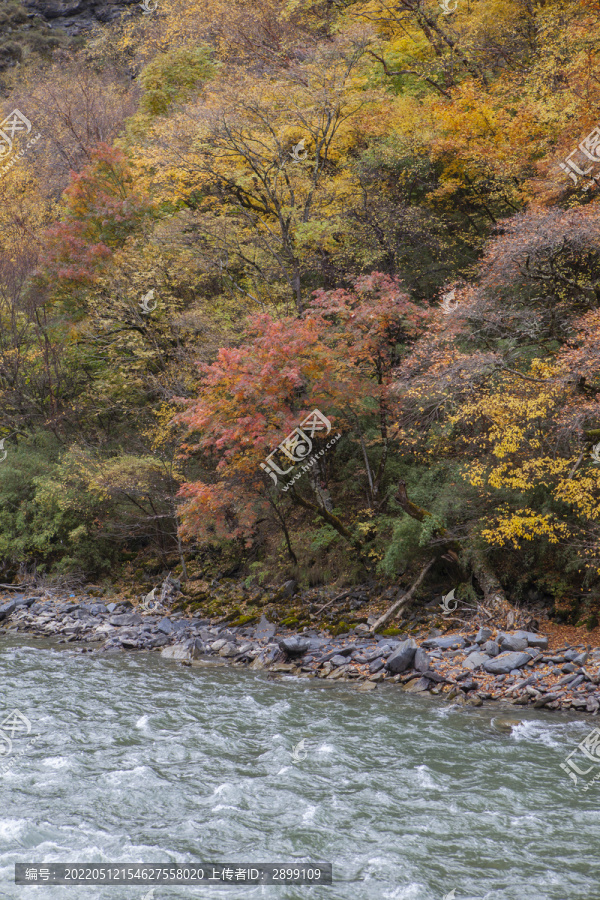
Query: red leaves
x=338 y=357
x=103 y=208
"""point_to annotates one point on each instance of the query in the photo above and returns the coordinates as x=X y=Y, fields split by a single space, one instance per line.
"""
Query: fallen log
x=404 y=600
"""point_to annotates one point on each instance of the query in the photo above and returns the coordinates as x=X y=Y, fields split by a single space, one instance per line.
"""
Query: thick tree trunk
x=332 y=520
x=493 y=592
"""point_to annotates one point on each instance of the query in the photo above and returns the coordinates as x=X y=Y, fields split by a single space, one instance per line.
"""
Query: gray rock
x=534 y=640
x=338 y=660
x=421 y=663
x=452 y=642
x=7 y=608
x=176 y=651
x=476 y=660
x=217 y=645
x=491 y=648
x=271 y=653
x=287 y=590
x=229 y=650
x=381 y=650
x=98 y=609
x=592 y=705
x=483 y=635
x=418 y=685
x=342 y=651
x=165 y=626
x=156 y=640
x=131 y=640
x=506 y=663
x=511 y=642
x=126 y=619
x=26 y=601
x=294 y=646
x=376 y=665
x=403 y=658
x=265 y=630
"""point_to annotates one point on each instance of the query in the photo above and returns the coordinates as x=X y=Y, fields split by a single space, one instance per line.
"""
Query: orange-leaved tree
x=337 y=358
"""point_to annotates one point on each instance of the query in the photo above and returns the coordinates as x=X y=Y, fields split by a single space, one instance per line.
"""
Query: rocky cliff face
x=41 y=26
x=76 y=16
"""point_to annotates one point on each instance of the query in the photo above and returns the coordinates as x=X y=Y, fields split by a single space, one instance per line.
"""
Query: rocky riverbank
x=472 y=667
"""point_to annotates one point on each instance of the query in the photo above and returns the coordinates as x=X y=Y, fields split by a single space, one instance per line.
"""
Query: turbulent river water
x=136 y=759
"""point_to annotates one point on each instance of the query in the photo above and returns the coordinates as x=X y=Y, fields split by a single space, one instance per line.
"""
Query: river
x=132 y=758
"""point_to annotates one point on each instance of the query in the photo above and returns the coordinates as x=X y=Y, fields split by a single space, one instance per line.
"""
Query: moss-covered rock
x=243 y=620
x=340 y=628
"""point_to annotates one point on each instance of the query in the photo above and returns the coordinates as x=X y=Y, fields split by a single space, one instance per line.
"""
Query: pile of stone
x=472 y=668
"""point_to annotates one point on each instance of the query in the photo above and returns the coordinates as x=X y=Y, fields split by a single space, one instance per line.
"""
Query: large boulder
x=475 y=660
x=534 y=640
x=421 y=663
x=491 y=648
x=483 y=635
x=403 y=658
x=577 y=658
x=286 y=591
x=506 y=662
x=294 y=646
x=338 y=660
x=7 y=608
x=165 y=626
x=512 y=642
x=26 y=601
x=126 y=619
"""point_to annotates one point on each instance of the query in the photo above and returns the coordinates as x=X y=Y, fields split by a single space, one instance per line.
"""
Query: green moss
x=243 y=620
x=290 y=621
x=391 y=632
x=341 y=628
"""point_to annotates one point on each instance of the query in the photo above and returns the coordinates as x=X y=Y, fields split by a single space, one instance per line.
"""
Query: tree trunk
x=332 y=520
x=404 y=599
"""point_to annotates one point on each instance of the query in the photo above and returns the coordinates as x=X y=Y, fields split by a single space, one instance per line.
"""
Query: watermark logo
x=145 y=302
x=298 y=153
x=15 y=122
x=297 y=446
x=147 y=6
x=590 y=148
x=299 y=752
x=594 y=453
x=446 y=601
x=451 y=895
x=4 y=453
x=149 y=895
x=590 y=748
x=446 y=10
x=448 y=303
x=151 y=604
x=14 y=725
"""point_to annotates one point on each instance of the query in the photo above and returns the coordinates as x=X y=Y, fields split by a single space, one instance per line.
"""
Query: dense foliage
x=352 y=207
